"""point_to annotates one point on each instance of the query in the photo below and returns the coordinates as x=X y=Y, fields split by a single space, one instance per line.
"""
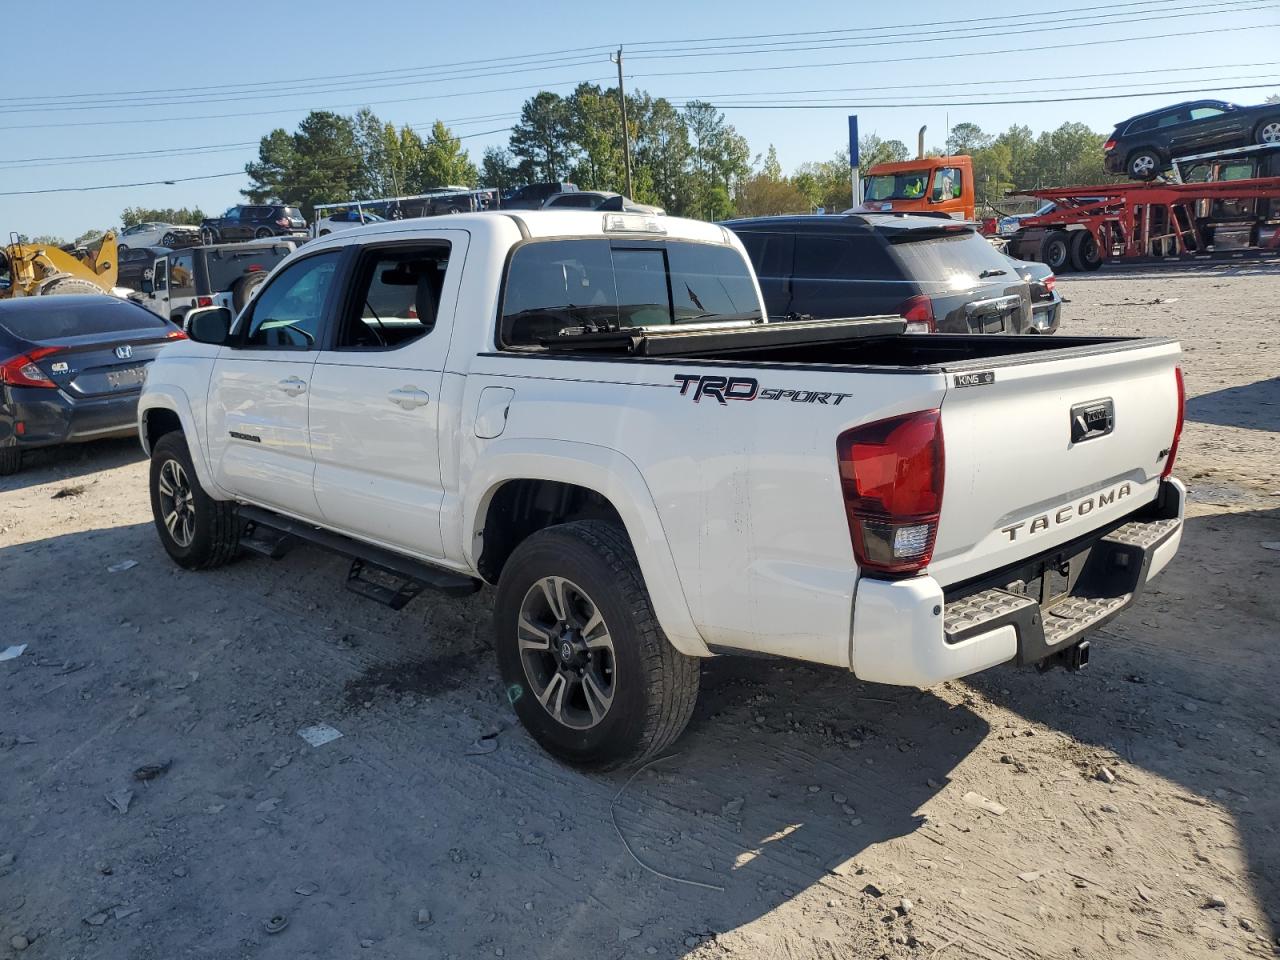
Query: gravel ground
x=157 y=801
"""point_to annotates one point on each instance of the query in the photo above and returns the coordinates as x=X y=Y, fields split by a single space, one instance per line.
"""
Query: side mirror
x=210 y=325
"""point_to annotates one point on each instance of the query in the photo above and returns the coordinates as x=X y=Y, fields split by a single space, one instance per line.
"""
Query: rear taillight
x=1108 y=146
x=21 y=371
x=1049 y=283
x=918 y=312
x=204 y=301
x=1177 y=427
x=175 y=335
x=282 y=222
x=989 y=226
x=891 y=477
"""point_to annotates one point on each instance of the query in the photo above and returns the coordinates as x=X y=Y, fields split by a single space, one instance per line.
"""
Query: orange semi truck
x=934 y=186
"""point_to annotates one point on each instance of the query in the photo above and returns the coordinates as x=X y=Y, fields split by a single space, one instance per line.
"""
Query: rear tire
x=197 y=531
x=262 y=233
x=10 y=460
x=1143 y=165
x=208 y=236
x=1268 y=131
x=559 y=658
x=1085 y=255
x=1055 y=251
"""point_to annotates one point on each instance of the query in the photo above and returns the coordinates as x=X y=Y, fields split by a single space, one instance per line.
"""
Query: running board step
x=266 y=542
x=385 y=586
x=408 y=577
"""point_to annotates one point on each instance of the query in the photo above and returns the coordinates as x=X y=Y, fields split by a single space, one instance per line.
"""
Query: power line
x=937 y=56
x=266 y=113
x=117 y=186
x=211 y=176
x=987 y=83
x=597 y=50
x=916 y=37
x=1271 y=82
x=798 y=105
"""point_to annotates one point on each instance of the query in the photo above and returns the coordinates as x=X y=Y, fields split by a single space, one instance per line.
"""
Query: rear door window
x=49 y=320
x=828 y=257
x=560 y=287
x=182 y=278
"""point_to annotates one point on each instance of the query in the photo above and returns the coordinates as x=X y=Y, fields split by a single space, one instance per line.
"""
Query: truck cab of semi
x=932 y=186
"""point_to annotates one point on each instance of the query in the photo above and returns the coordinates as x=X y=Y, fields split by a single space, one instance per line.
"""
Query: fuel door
x=491 y=411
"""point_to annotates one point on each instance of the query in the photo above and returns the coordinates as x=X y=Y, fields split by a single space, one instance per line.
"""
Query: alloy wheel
x=567 y=653
x=1143 y=165
x=1270 y=132
x=177 y=503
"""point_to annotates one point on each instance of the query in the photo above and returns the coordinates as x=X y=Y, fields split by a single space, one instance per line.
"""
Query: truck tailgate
x=1042 y=449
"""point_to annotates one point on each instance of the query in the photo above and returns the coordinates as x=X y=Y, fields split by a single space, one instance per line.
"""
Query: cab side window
x=947 y=185
x=397 y=297
x=289 y=312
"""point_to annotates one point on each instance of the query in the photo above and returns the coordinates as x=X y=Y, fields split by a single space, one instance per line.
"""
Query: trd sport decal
x=724 y=389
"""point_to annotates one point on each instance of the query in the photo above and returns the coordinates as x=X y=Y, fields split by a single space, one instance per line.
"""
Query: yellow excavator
x=40 y=269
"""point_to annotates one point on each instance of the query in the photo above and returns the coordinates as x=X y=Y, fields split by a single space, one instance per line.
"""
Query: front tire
x=584 y=661
x=1055 y=251
x=1268 y=131
x=208 y=236
x=197 y=531
x=169 y=240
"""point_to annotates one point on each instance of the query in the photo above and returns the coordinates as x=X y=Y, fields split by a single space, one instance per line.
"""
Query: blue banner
x=853 y=140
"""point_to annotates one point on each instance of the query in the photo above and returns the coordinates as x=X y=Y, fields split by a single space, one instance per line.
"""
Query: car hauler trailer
x=1214 y=217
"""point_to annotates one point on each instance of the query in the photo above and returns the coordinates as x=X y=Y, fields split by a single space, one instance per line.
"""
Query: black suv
x=938 y=274
x=254 y=222
x=1143 y=146
x=533 y=195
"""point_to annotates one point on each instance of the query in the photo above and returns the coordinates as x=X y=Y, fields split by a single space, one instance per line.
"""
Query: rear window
x=560 y=287
x=227 y=266
x=954 y=259
x=48 y=319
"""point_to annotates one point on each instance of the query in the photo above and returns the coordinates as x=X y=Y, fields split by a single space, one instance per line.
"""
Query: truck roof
x=544 y=223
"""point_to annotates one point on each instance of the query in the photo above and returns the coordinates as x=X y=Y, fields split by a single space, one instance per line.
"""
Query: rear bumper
x=48 y=417
x=912 y=633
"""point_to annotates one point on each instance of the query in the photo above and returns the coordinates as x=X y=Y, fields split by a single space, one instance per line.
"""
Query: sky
x=188 y=92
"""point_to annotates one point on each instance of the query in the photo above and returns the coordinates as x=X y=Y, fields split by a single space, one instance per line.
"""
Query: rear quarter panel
x=747 y=492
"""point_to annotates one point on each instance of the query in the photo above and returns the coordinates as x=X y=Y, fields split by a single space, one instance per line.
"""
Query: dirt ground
x=811 y=815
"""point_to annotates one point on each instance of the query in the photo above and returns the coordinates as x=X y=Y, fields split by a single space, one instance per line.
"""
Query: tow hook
x=1075 y=658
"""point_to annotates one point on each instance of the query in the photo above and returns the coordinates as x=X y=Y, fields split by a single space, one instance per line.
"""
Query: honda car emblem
x=124 y=352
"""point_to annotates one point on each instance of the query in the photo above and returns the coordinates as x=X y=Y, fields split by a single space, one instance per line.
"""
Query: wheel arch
x=164 y=409
x=520 y=486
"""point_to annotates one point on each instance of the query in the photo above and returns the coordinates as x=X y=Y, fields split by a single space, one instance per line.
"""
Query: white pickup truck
x=588 y=411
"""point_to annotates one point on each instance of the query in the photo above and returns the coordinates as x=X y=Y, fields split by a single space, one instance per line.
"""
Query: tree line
x=688 y=159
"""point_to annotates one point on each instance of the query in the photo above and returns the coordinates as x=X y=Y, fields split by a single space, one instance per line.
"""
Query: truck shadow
x=71 y=461
x=1255 y=406
x=1182 y=686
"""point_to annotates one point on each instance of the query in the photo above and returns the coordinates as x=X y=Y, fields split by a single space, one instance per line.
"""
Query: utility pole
x=622 y=100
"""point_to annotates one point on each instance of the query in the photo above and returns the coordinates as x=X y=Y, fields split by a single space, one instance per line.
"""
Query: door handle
x=292 y=386
x=409 y=397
